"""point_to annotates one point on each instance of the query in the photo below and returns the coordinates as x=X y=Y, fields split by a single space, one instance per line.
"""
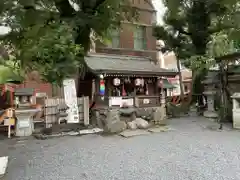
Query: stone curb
x=71 y=133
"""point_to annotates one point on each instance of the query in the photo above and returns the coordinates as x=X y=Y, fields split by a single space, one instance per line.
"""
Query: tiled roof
x=105 y=63
x=24 y=91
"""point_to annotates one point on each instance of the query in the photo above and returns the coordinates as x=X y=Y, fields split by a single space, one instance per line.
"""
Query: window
x=140 y=38
x=115 y=38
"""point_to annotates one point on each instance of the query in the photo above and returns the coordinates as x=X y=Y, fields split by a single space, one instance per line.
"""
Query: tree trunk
x=180 y=80
x=224 y=104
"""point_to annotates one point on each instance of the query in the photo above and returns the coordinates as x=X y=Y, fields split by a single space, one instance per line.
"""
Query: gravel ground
x=189 y=152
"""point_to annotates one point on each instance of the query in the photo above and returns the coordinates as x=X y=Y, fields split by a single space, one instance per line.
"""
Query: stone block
x=210 y=114
x=130 y=133
x=116 y=127
x=113 y=123
x=112 y=116
x=159 y=115
x=132 y=125
x=144 y=112
x=141 y=123
x=98 y=118
x=236 y=119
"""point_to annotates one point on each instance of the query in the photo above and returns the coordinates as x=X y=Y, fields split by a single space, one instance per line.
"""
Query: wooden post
x=163 y=106
x=51 y=111
x=93 y=89
x=9 y=130
x=136 y=101
x=86 y=110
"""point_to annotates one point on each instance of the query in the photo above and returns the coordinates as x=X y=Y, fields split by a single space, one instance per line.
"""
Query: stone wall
x=147 y=112
x=106 y=118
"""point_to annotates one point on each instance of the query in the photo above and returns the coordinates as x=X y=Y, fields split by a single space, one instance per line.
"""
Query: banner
x=70 y=96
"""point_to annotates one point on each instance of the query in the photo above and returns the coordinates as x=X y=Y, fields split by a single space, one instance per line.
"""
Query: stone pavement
x=194 y=150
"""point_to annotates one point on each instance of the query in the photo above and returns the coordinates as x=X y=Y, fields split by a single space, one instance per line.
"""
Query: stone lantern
x=210 y=91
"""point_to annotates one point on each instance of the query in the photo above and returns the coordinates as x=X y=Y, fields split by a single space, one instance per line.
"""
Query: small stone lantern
x=210 y=91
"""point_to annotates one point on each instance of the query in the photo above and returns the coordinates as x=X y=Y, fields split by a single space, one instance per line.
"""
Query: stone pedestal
x=159 y=115
x=24 y=124
x=210 y=112
x=113 y=123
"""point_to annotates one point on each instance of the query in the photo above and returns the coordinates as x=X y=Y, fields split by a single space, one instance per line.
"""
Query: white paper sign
x=70 y=96
x=24 y=124
x=128 y=102
x=146 y=101
x=115 y=101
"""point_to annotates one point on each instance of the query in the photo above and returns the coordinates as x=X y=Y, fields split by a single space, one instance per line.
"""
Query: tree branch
x=98 y=3
x=65 y=8
x=180 y=30
x=90 y=7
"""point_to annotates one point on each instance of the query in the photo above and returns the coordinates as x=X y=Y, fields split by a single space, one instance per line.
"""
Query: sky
x=160 y=10
x=3 y=30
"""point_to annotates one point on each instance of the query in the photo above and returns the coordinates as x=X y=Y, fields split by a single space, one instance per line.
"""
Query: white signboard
x=115 y=101
x=70 y=96
x=146 y=101
x=24 y=124
x=128 y=102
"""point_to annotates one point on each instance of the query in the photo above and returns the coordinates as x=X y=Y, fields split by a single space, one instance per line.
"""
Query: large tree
x=82 y=15
x=45 y=35
x=191 y=26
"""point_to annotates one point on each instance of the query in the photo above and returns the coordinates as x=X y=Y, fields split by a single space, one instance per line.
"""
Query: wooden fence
x=53 y=107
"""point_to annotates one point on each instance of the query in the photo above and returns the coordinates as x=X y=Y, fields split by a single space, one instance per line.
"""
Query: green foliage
x=198 y=31
x=54 y=54
x=192 y=28
x=237 y=44
x=83 y=16
x=52 y=36
x=220 y=45
x=8 y=72
x=51 y=51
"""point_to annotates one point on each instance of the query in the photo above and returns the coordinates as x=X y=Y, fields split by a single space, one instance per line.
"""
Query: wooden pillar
x=86 y=110
x=93 y=89
x=163 y=104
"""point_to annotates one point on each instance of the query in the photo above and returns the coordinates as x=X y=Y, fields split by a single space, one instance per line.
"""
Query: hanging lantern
x=138 y=82
x=116 y=81
x=102 y=87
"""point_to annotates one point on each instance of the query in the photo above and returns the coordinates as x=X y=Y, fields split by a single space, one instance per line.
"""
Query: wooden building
x=116 y=80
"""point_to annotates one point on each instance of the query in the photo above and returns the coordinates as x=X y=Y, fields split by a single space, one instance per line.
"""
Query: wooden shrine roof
x=128 y=65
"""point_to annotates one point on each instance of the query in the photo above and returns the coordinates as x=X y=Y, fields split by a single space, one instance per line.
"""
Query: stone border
x=70 y=133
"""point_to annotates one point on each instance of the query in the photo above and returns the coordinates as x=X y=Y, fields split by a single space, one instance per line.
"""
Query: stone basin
x=24 y=124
